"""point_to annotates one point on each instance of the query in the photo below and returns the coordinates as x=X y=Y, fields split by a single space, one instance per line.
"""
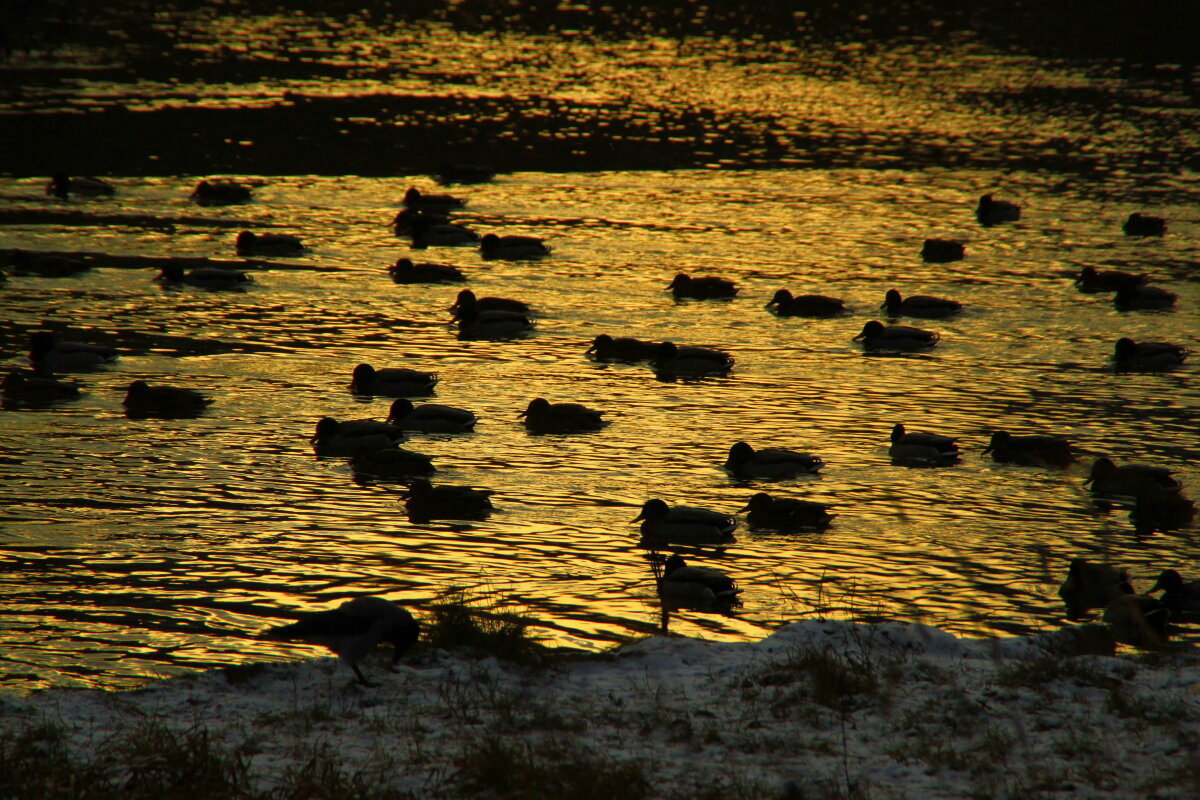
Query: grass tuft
x=547 y=771
x=459 y=625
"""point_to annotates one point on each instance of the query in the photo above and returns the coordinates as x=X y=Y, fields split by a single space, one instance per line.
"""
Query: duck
x=449 y=174
x=877 y=336
x=63 y=186
x=353 y=437
x=425 y=502
x=512 y=248
x=354 y=629
x=1138 y=224
x=476 y=324
x=392 y=381
x=405 y=271
x=49 y=355
x=703 y=288
x=920 y=305
x=805 y=305
x=416 y=200
x=772 y=463
x=622 y=348
x=786 y=513
x=214 y=279
x=940 y=251
x=425 y=232
x=1091 y=280
x=1033 y=450
x=165 y=402
x=684 y=524
x=1138 y=619
x=1149 y=356
x=1131 y=481
x=47 y=265
x=1165 y=512
x=402 y=223
x=390 y=463
x=1143 y=298
x=431 y=417
x=922 y=447
x=990 y=211
x=269 y=244
x=467 y=299
x=28 y=388
x=542 y=416
x=697 y=587
x=690 y=361
x=1090 y=585
x=1179 y=596
x=220 y=192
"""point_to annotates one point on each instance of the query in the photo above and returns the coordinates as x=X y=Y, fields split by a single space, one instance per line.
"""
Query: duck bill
x=638 y=518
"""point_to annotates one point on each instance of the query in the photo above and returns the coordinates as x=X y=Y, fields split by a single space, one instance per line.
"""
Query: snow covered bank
x=818 y=709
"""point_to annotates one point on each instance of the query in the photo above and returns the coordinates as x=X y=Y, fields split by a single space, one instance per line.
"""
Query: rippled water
x=134 y=548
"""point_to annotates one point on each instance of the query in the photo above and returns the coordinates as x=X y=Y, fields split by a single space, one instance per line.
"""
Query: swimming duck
x=405 y=271
x=427 y=233
x=48 y=355
x=467 y=299
x=1165 y=512
x=787 y=513
x=402 y=223
x=993 y=212
x=622 y=348
x=1178 y=596
x=1143 y=298
x=1138 y=620
x=670 y=359
x=1092 y=280
x=352 y=437
x=29 y=388
x=475 y=324
x=431 y=417
x=425 y=502
x=214 y=279
x=702 y=288
x=697 y=587
x=1131 y=481
x=1034 y=450
x=542 y=416
x=1089 y=585
x=63 y=186
x=877 y=336
x=415 y=199
x=1131 y=355
x=390 y=463
x=449 y=174
x=47 y=265
x=269 y=244
x=218 y=192
x=392 y=381
x=939 y=251
x=1144 y=225
x=353 y=629
x=805 y=305
x=771 y=463
x=920 y=305
x=165 y=402
x=512 y=248
x=922 y=447
x=684 y=524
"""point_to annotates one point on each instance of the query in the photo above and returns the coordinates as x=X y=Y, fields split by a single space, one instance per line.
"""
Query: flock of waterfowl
x=373 y=446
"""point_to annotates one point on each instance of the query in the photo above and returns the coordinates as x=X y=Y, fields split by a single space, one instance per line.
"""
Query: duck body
x=622 y=348
x=63 y=186
x=931 y=448
x=512 y=248
x=920 y=305
x=467 y=300
x=392 y=381
x=542 y=416
x=214 y=279
x=424 y=233
x=771 y=463
x=354 y=437
x=28 y=388
x=431 y=417
x=404 y=221
x=1131 y=481
x=405 y=271
x=690 y=361
x=990 y=211
x=499 y=324
x=940 y=251
x=47 y=265
x=391 y=463
x=787 y=513
x=805 y=305
x=220 y=193
x=684 y=524
x=1089 y=585
x=1143 y=298
x=1148 y=356
x=425 y=502
x=1164 y=512
x=355 y=628
x=1091 y=280
x=697 y=587
x=1138 y=619
x=49 y=355
x=269 y=244
x=704 y=288
x=1138 y=224
x=1034 y=450
x=165 y=402
x=417 y=200
x=877 y=336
